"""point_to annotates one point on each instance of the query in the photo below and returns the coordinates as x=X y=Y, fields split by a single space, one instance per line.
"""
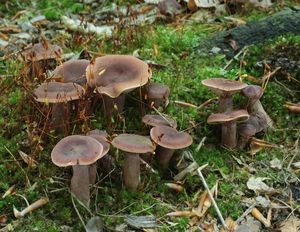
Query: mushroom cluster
x=252 y=119
x=107 y=81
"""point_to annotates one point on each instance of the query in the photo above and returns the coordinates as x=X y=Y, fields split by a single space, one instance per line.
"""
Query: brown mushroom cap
x=236 y=115
x=113 y=74
x=103 y=134
x=221 y=86
x=71 y=71
x=102 y=140
x=57 y=92
x=253 y=91
x=247 y=130
x=42 y=51
x=156 y=90
x=169 y=137
x=133 y=143
x=76 y=150
x=158 y=120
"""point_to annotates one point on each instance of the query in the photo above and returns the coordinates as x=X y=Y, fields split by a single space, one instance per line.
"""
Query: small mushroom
x=224 y=88
x=106 y=161
x=228 y=121
x=72 y=71
x=158 y=95
x=159 y=120
x=114 y=75
x=40 y=56
x=254 y=106
x=245 y=131
x=79 y=152
x=58 y=94
x=133 y=145
x=168 y=139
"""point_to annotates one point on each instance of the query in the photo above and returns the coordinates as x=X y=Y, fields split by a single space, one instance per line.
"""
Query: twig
x=212 y=199
x=201 y=144
x=249 y=210
x=26 y=177
x=77 y=212
x=235 y=57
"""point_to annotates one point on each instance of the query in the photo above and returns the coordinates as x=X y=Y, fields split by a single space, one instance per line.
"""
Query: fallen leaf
x=292 y=224
x=257 y=185
x=174 y=186
x=28 y=160
x=95 y=224
x=184 y=213
x=9 y=191
x=257 y=214
x=231 y=225
x=276 y=163
x=3 y=219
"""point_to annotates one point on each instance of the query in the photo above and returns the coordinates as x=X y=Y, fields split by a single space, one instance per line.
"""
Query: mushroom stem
x=147 y=157
x=164 y=156
x=243 y=140
x=229 y=134
x=225 y=103
x=257 y=107
x=80 y=183
x=60 y=116
x=132 y=171
x=93 y=173
x=113 y=104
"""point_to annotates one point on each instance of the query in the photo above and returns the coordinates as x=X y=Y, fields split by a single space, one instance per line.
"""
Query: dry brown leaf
x=9 y=191
x=292 y=224
x=231 y=225
x=174 y=186
x=3 y=219
x=292 y=107
x=185 y=213
x=255 y=213
x=28 y=160
x=35 y=205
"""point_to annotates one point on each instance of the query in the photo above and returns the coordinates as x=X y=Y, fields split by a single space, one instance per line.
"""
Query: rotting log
x=270 y=27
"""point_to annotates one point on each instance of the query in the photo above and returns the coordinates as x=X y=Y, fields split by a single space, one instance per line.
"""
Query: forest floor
x=172 y=44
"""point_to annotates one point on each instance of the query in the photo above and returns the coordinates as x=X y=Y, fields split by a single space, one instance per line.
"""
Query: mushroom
x=156 y=120
x=80 y=152
x=158 y=95
x=58 y=93
x=224 y=88
x=168 y=140
x=106 y=160
x=72 y=71
x=228 y=121
x=245 y=131
x=133 y=145
x=255 y=108
x=39 y=55
x=115 y=75
x=159 y=120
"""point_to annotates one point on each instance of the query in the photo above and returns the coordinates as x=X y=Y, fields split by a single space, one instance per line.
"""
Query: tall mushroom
x=168 y=139
x=39 y=57
x=58 y=94
x=133 y=145
x=114 y=75
x=79 y=152
x=224 y=88
x=228 y=121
